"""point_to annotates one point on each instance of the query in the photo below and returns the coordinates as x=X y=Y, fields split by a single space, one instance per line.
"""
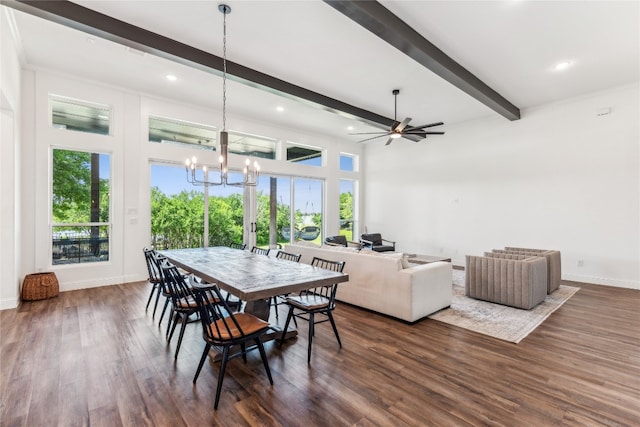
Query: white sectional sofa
x=379 y=281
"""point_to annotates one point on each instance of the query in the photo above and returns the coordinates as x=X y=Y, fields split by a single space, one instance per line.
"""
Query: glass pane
x=251 y=145
x=226 y=212
x=346 y=162
x=177 y=209
x=346 y=208
x=80 y=116
x=304 y=155
x=273 y=200
x=308 y=209
x=180 y=132
x=80 y=187
x=80 y=244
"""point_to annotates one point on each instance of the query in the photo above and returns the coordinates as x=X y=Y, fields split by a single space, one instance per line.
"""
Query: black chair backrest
x=175 y=283
x=337 y=240
x=376 y=238
x=288 y=256
x=260 y=251
x=234 y=245
x=152 y=266
x=330 y=290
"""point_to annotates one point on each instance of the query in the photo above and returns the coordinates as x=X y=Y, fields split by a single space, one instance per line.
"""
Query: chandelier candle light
x=251 y=174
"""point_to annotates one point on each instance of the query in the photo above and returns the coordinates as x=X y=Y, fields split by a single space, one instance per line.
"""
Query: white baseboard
x=630 y=284
x=8 y=303
x=103 y=281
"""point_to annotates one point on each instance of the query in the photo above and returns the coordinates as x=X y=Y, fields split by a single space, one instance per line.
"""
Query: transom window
x=82 y=116
x=175 y=131
x=305 y=155
x=252 y=145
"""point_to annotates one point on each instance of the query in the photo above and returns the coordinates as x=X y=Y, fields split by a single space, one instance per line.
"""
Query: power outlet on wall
x=580 y=263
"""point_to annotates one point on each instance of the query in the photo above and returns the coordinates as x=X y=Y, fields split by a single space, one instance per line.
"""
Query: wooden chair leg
x=286 y=325
x=335 y=329
x=182 y=328
x=155 y=307
x=265 y=362
x=311 y=332
x=223 y=367
x=153 y=291
x=202 y=359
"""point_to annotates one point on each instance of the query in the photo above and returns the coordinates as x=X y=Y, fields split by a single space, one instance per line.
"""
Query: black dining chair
x=183 y=300
x=154 y=278
x=279 y=299
x=319 y=300
x=260 y=251
x=224 y=329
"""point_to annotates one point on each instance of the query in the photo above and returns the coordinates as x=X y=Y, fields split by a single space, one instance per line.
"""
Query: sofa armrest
x=357 y=245
x=431 y=288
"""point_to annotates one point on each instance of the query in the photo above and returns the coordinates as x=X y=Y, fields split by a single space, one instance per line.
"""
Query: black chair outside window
x=341 y=240
x=223 y=329
x=320 y=300
x=375 y=242
x=241 y=246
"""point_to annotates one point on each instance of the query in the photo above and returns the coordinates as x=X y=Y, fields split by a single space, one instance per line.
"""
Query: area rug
x=499 y=321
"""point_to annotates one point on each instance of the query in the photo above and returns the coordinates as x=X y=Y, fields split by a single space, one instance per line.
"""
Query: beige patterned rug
x=499 y=321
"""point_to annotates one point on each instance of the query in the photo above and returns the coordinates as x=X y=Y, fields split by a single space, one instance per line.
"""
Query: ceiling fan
x=400 y=129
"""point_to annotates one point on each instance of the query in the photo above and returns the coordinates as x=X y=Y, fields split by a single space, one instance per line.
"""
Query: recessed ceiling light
x=349 y=127
x=279 y=109
x=560 y=66
x=171 y=77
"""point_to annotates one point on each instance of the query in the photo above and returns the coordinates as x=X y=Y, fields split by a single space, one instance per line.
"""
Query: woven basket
x=40 y=286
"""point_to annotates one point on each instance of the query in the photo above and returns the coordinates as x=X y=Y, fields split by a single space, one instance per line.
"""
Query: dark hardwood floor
x=94 y=357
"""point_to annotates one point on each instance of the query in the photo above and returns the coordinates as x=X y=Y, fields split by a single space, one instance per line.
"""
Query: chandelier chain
x=224 y=71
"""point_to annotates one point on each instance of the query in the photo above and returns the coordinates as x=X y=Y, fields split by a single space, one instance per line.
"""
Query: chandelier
x=251 y=172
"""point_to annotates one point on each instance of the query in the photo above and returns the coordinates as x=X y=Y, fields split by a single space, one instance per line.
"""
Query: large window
x=80 y=207
x=347 y=219
x=307 y=200
x=273 y=211
x=178 y=211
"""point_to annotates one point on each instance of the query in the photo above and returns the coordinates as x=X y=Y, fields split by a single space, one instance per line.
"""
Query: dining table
x=251 y=277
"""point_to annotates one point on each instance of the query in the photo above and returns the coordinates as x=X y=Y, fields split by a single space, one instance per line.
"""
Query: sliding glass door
x=279 y=210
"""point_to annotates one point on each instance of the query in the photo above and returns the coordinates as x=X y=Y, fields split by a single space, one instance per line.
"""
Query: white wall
x=131 y=154
x=9 y=161
x=560 y=178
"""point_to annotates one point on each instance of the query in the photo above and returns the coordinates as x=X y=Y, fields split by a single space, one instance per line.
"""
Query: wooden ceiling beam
x=379 y=20
x=87 y=20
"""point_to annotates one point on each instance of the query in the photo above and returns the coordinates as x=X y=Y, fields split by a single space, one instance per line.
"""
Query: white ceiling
x=510 y=45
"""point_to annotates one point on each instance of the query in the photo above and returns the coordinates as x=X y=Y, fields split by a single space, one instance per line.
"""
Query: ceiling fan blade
x=373 y=137
x=420 y=132
x=389 y=141
x=427 y=126
x=370 y=133
x=402 y=125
